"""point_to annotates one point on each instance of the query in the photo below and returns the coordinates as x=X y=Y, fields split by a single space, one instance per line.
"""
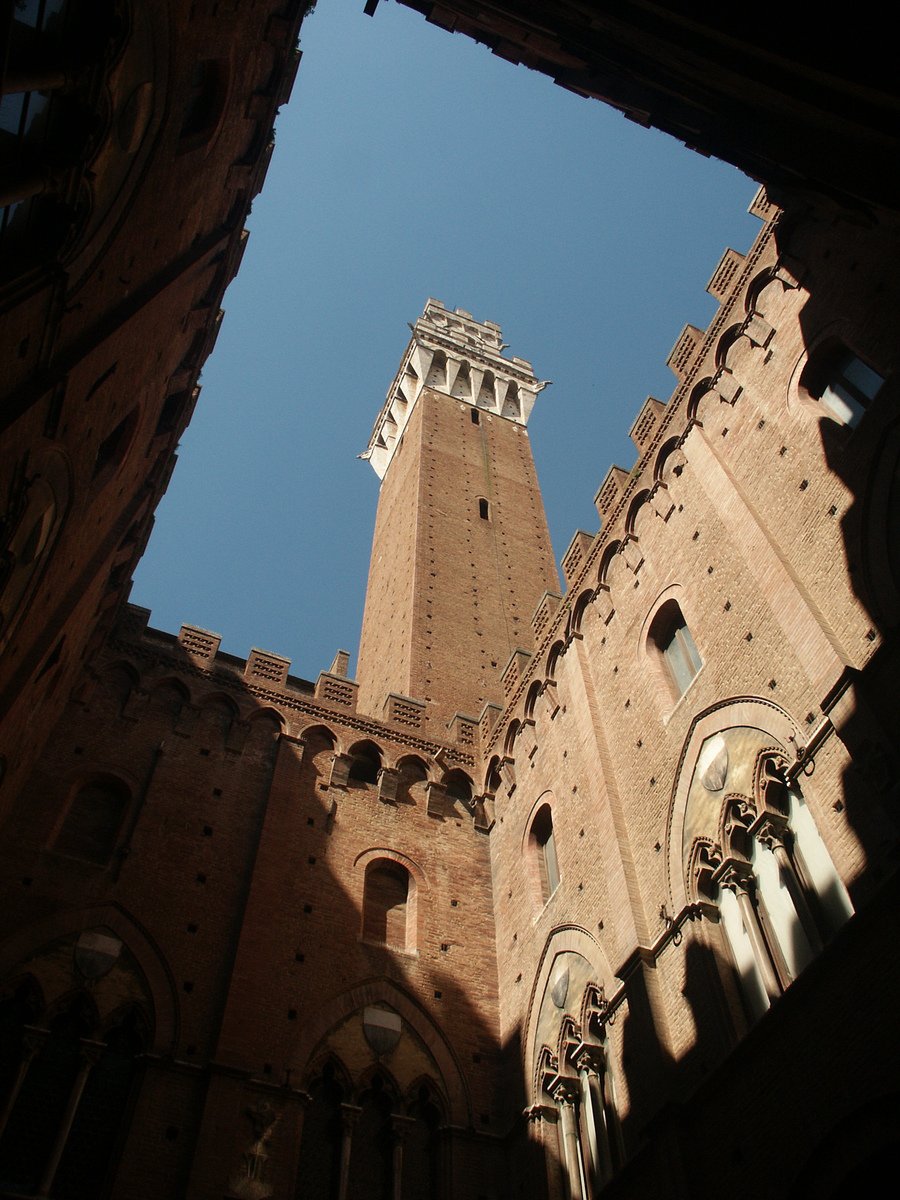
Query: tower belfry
x=461 y=553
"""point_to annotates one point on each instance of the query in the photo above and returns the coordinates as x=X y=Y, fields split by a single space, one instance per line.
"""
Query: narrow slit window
x=484 y=510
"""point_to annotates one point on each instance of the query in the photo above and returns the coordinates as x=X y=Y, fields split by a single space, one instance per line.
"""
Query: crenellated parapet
x=596 y=567
x=453 y=353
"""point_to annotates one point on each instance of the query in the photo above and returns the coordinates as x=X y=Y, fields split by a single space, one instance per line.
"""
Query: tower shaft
x=461 y=553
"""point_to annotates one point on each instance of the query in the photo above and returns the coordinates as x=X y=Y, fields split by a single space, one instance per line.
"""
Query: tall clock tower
x=461 y=553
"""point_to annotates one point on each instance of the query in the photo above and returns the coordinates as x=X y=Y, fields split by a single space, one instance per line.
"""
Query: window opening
x=385 y=903
x=484 y=510
x=843 y=384
x=675 y=647
x=545 y=843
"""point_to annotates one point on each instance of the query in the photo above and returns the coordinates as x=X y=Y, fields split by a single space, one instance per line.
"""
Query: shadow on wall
x=173 y=822
x=848 y=380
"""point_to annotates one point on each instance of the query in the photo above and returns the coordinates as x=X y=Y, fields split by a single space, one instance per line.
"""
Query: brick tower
x=461 y=553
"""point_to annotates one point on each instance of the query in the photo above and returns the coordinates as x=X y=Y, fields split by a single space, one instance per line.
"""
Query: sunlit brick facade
x=589 y=920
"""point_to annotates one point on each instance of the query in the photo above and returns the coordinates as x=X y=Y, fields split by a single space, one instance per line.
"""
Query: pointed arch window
x=779 y=895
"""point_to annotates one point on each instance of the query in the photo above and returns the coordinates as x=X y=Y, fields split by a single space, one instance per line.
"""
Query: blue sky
x=411 y=163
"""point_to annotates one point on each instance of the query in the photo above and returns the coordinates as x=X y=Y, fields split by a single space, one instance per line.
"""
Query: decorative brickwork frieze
x=267 y=668
x=682 y=355
x=463 y=729
x=402 y=710
x=645 y=423
x=515 y=670
x=336 y=690
x=725 y=274
x=490 y=714
x=200 y=644
x=610 y=491
x=574 y=557
x=547 y=606
x=761 y=206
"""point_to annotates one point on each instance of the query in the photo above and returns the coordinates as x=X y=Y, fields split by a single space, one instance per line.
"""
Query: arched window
x=386 y=904
x=412 y=773
x=366 y=763
x=459 y=786
x=842 y=383
x=544 y=847
x=779 y=895
x=671 y=644
x=93 y=820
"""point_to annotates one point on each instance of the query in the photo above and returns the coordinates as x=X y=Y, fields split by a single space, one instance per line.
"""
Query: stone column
x=32 y=1043
x=591 y=1064
x=400 y=1126
x=738 y=877
x=349 y=1115
x=566 y=1096
x=90 y=1055
x=771 y=833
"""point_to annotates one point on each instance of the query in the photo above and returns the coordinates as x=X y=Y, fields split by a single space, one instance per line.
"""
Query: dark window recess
x=92 y=822
x=475 y=415
x=484 y=510
x=112 y=449
x=170 y=413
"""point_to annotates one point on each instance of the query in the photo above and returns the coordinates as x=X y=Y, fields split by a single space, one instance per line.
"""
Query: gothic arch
x=26 y=942
x=375 y=992
x=563 y=939
x=746 y=711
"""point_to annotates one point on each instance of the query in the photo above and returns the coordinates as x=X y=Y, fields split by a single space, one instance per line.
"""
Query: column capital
x=591 y=1059
x=566 y=1092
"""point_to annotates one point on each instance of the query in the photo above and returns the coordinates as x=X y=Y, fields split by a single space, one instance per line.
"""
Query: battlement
x=453 y=353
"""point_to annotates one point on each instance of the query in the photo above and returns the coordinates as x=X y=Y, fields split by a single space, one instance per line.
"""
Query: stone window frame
x=667 y=609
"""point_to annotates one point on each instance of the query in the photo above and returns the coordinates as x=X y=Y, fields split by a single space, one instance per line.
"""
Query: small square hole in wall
x=172 y=1133
x=292 y=1014
x=454 y=903
x=438 y=995
x=187 y=986
x=207 y=831
x=190 y=1050
x=299 y=956
x=312 y=860
x=310 y=820
x=201 y=878
x=217 y=791
x=192 y=928
x=267 y=1068
x=78 y=750
x=204 y=753
x=445 y=946
x=307 y=908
